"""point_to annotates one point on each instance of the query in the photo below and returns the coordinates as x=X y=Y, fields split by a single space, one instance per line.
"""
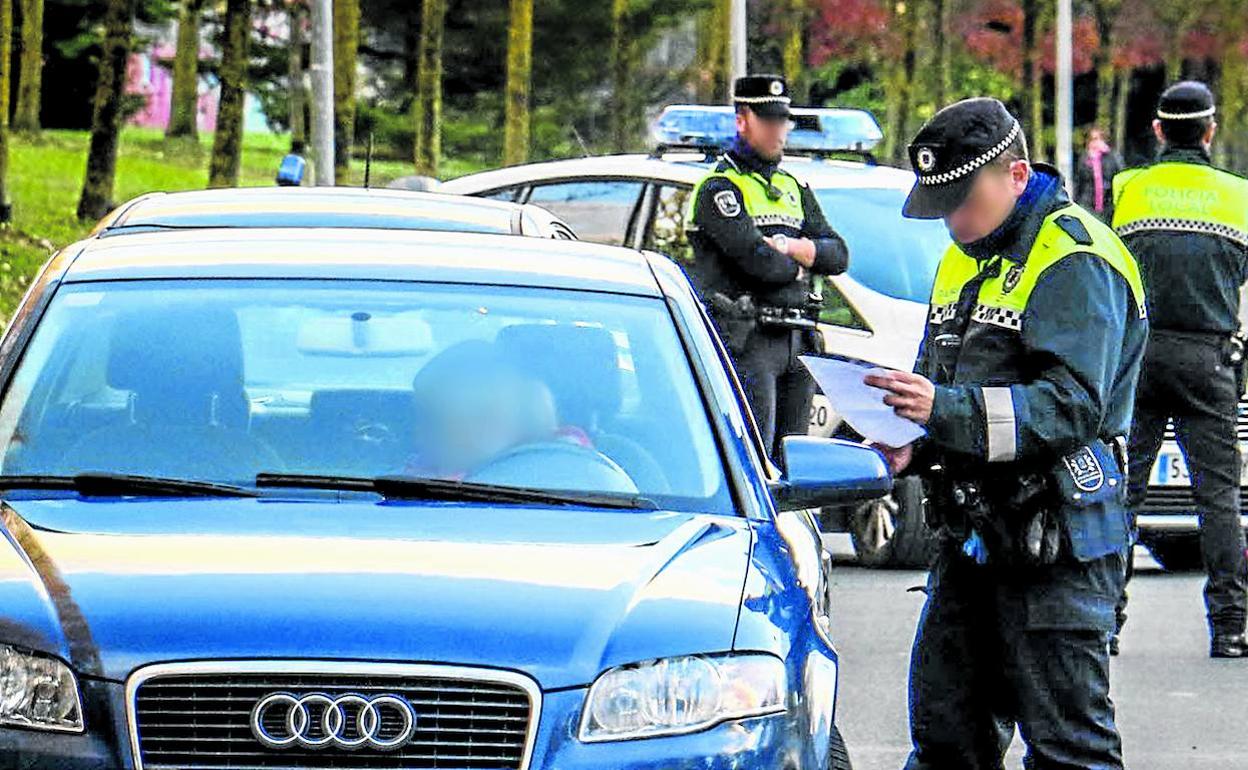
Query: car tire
x=838 y=755
x=1176 y=553
x=891 y=531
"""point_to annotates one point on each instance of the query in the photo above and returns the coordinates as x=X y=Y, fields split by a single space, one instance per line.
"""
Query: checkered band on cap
x=1207 y=112
x=973 y=164
x=762 y=99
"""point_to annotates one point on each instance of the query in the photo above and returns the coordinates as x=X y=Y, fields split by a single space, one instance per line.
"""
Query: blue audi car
x=395 y=499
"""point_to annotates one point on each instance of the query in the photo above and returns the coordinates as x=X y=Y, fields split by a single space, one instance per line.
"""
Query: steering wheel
x=552 y=465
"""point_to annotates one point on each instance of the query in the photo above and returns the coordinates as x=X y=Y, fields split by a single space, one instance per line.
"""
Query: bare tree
x=427 y=108
x=97 y=186
x=519 y=77
x=184 y=104
x=30 y=86
x=227 y=145
x=6 y=77
x=298 y=88
x=346 y=53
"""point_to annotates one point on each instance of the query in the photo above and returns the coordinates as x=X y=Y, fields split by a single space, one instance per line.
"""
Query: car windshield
x=222 y=380
x=888 y=253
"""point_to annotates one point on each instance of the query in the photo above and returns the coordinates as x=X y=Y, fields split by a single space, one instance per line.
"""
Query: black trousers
x=996 y=649
x=1184 y=379
x=777 y=385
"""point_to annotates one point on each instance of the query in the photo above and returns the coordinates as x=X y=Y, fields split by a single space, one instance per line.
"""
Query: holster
x=737 y=319
x=1021 y=517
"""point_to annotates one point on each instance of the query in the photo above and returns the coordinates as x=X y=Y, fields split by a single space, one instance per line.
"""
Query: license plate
x=1170 y=470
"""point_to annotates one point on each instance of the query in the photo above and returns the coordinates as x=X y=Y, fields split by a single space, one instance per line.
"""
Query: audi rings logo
x=282 y=720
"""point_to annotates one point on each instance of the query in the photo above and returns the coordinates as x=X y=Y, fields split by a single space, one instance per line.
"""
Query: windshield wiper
x=414 y=488
x=121 y=484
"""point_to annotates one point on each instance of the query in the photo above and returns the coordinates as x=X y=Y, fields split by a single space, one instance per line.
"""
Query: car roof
x=363 y=254
x=682 y=168
x=314 y=207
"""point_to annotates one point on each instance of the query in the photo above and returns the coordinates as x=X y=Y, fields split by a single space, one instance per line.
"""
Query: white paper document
x=859 y=404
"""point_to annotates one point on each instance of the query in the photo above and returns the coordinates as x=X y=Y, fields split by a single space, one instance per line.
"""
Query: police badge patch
x=727 y=203
x=1012 y=278
x=1085 y=470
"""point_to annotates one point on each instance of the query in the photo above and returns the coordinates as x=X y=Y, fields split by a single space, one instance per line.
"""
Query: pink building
x=148 y=74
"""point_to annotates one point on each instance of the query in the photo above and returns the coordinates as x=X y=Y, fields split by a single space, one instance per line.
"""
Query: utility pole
x=321 y=69
x=1065 y=91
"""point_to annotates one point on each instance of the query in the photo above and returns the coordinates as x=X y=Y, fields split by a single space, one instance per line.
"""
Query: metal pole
x=1065 y=91
x=322 y=71
x=739 y=34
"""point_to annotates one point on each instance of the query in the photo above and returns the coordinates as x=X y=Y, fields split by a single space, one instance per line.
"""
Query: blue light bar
x=712 y=128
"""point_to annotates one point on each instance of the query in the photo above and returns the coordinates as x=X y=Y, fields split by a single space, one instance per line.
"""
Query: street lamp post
x=321 y=69
x=1065 y=90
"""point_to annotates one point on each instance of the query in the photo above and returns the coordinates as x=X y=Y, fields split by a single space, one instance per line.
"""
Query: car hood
x=560 y=594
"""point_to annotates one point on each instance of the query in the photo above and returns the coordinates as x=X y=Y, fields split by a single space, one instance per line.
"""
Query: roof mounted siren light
x=817 y=132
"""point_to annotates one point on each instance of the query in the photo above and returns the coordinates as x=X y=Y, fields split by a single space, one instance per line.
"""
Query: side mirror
x=829 y=471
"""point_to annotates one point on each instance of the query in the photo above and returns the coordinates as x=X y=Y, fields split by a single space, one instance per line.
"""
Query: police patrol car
x=875 y=312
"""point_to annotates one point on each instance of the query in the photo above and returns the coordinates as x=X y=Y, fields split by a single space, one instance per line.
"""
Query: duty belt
x=790 y=317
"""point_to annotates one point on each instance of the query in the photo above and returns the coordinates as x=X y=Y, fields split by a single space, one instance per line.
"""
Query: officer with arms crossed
x=1024 y=382
x=1187 y=224
x=758 y=238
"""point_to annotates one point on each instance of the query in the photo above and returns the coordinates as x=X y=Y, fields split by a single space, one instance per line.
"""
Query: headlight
x=681 y=695
x=38 y=692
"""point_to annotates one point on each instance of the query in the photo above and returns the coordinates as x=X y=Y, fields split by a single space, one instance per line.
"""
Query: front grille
x=1173 y=500
x=201 y=720
x=1241 y=424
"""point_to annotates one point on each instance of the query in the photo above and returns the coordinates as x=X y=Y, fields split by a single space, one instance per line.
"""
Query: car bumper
x=796 y=738
x=1173 y=523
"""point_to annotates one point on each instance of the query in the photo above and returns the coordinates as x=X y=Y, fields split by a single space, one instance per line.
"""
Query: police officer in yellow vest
x=1187 y=224
x=759 y=238
x=1024 y=382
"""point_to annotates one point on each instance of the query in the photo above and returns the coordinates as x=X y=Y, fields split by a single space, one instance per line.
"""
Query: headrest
x=580 y=365
x=182 y=365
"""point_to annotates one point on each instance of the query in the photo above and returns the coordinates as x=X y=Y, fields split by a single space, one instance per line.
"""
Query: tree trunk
x=298 y=86
x=900 y=106
x=1038 y=150
x=794 y=50
x=184 y=104
x=1031 y=13
x=940 y=52
x=712 y=74
x=346 y=52
x=97 y=186
x=30 y=85
x=427 y=111
x=6 y=78
x=519 y=75
x=1103 y=61
x=1122 y=88
x=227 y=145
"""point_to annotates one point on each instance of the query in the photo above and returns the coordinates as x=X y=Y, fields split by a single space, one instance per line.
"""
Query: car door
x=597 y=210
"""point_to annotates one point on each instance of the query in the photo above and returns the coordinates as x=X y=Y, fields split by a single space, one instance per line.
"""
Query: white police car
x=876 y=312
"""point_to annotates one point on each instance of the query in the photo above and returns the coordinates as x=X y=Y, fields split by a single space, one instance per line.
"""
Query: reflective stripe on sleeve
x=1000 y=429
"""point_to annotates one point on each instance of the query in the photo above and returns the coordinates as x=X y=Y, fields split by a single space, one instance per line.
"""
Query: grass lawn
x=45 y=180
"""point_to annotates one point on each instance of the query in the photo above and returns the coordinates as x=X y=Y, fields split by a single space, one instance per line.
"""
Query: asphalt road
x=1177 y=709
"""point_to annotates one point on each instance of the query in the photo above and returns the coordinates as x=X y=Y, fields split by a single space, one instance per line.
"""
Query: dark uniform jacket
x=1057 y=376
x=731 y=256
x=1192 y=274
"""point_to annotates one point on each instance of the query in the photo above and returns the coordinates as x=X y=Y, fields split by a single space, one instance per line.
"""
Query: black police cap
x=1187 y=100
x=949 y=151
x=767 y=95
